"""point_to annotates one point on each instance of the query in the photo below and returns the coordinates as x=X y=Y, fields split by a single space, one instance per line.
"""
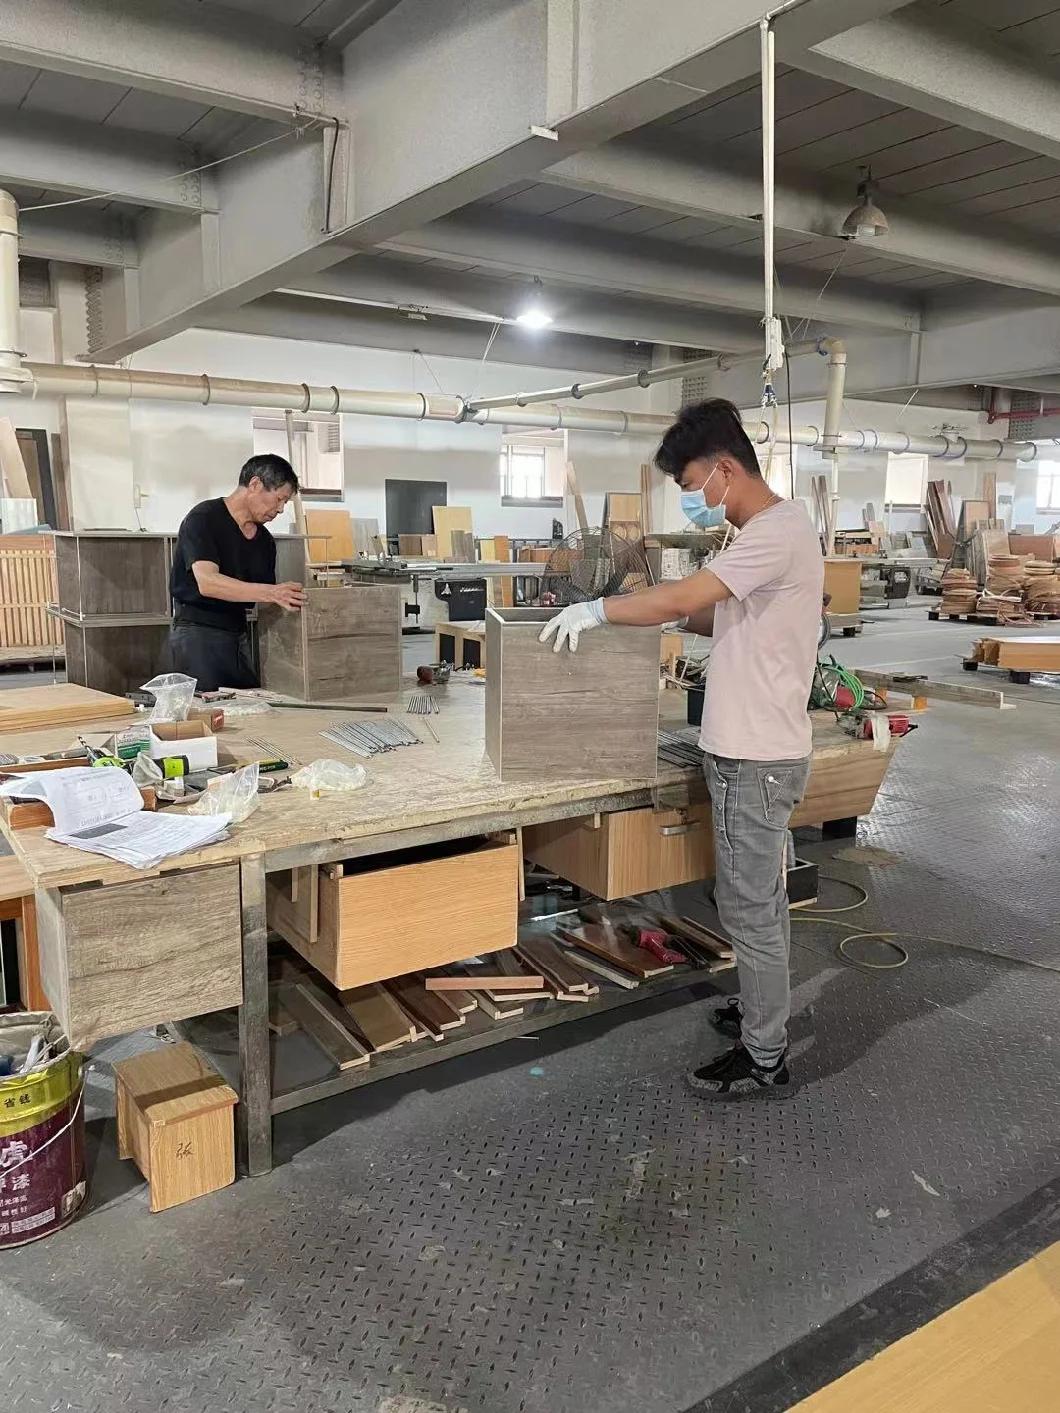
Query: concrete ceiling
x=440 y=153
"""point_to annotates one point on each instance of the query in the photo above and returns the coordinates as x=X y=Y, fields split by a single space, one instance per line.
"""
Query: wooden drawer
x=116 y=959
x=369 y=920
x=632 y=851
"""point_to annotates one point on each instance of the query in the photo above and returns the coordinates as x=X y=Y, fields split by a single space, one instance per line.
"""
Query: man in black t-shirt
x=225 y=559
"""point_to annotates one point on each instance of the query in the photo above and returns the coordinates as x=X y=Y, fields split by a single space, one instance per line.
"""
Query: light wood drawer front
x=117 y=959
x=387 y=921
x=630 y=852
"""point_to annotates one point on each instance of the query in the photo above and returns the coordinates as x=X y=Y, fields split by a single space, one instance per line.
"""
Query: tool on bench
x=100 y=757
x=370 y=738
x=652 y=940
x=433 y=673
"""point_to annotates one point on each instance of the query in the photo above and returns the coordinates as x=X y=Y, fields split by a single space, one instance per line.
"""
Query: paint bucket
x=42 y=1134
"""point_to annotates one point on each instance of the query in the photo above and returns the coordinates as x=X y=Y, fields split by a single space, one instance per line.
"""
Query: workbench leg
x=254 y=1111
x=840 y=828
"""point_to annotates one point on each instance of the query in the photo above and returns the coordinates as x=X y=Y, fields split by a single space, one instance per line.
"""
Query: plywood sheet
x=999 y=1349
x=331 y=535
x=58 y=704
x=448 y=518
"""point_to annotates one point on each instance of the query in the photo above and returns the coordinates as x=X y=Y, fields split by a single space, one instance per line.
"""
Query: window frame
x=1053 y=473
x=508 y=451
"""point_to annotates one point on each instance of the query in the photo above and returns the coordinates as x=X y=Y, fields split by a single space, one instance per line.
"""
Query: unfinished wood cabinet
x=175 y=1121
x=115 y=959
x=345 y=643
x=368 y=920
x=115 y=659
x=589 y=715
x=629 y=852
x=100 y=572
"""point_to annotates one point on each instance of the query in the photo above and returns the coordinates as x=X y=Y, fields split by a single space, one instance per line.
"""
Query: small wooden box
x=115 y=573
x=589 y=715
x=426 y=908
x=842 y=579
x=629 y=852
x=175 y=1122
x=345 y=643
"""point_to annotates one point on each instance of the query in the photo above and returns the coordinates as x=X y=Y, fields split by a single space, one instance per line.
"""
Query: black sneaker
x=735 y=1074
x=728 y=1018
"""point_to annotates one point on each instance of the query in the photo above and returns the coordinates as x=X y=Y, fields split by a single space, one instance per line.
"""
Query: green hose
x=830 y=677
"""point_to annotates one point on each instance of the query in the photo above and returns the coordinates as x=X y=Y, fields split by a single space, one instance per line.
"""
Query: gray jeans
x=752 y=803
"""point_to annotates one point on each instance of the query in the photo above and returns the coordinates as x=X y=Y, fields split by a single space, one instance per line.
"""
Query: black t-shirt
x=209 y=532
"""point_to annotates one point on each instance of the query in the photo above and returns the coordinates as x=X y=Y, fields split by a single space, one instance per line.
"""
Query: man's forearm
x=215 y=585
x=684 y=598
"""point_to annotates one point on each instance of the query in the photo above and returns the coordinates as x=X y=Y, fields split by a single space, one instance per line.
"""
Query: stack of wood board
x=61 y=704
x=1025 y=654
x=1042 y=587
x=448 y=518
x=330 y=535
x=939 y=509
x=344 y=644
x=959 y=592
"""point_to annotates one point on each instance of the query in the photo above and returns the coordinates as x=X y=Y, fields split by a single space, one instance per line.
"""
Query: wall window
x=532 y=469
x=1049 y=486
x=906 y=476
x=315 y=449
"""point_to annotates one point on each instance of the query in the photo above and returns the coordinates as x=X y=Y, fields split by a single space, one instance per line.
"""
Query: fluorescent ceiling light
x=533 y=314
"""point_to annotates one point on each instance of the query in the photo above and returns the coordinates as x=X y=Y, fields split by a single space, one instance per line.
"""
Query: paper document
x=79 y=796
x=144 y=839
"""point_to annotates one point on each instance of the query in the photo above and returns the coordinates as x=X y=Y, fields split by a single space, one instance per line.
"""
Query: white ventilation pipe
x=12 y=375
x=122 y=384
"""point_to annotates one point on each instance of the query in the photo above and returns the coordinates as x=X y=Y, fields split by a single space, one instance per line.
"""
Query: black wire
x=331 y=177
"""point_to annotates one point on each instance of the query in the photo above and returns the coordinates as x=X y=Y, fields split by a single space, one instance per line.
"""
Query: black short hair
x=706 y=429
x=271 y=470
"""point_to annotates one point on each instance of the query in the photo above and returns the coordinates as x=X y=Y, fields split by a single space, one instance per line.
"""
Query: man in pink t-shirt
x=760 y=599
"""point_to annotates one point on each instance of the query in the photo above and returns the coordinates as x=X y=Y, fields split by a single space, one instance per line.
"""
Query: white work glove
x=571 y=623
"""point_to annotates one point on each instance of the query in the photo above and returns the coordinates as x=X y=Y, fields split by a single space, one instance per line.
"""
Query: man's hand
x=290 y=597
x=571 y=623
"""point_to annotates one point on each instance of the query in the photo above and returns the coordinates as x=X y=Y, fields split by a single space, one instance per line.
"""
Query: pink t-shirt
x=765 y=638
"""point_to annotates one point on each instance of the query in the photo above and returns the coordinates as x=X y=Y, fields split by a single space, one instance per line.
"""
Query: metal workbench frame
x=258 y=1104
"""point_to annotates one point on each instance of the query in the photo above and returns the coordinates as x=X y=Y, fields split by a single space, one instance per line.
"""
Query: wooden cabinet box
x=99 y=572
x=366 y=920
x=629 y=852
x=842 y=579
x=175 y=1122
x=115 y=959
x=589 y=715
x=115 y=659
x=345 y=643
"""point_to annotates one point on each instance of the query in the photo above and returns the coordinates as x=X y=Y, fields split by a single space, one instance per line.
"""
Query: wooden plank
x=448 y=518
x=429 y=546
x=543 y=954
x=579 y=503
x=378 y=1017
x=330 y=535
x=601 y=941
x=12 y=465
x=37 y=814
x=281 y=1022
x=622 y=508
x=410 y=546
x=499 y=1010
x=935 y=691
x=311 y=1009
x=423 y=1006
x=998 y=1349
x=490 y=981
x=588 y=962
x=463 y=547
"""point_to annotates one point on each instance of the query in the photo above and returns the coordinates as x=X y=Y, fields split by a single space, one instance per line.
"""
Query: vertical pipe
x=768 y=41
x=11 y=371
x=833 y=410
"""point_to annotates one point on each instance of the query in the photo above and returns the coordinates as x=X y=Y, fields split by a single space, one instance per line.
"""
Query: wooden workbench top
x=407 y=788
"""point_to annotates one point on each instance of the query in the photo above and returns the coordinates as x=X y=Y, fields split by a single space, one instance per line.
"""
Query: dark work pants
x=215 y=657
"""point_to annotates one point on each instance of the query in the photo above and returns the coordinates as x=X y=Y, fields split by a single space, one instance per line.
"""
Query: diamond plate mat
x=558 y=1224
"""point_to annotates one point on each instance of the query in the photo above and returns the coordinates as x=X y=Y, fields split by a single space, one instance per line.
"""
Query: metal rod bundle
x=677 y=749
x=422 y=704
x=366 y=738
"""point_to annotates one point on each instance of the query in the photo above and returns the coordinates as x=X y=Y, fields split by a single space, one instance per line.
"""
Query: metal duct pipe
x=12 y=375
x=833 y=403
x=75 y=380
x=773 y=357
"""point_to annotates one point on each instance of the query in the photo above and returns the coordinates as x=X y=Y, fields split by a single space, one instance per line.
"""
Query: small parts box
x=175 y=1121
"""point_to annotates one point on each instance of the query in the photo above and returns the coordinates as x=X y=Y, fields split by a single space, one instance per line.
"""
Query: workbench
x=121 y=949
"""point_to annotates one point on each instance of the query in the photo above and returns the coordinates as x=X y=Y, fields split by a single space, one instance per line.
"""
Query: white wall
x=182 y=453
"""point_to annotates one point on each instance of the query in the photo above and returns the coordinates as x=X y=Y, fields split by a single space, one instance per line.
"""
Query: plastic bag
x=173 y=692
x=327 y=777
x=235 y=795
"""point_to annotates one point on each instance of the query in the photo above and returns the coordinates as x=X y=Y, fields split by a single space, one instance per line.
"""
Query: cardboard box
x=193 y=739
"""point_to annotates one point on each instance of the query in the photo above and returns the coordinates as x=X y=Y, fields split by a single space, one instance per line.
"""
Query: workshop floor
x=557 y=1224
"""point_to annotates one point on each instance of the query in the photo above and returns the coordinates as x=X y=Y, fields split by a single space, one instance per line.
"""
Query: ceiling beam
x=370 y=280
x=703 y=183
x=86 y=159
x=546 y=77
x=568 y=254
x=954 y=70
x=292 y=316
x=203 y=53
x=79 y=236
